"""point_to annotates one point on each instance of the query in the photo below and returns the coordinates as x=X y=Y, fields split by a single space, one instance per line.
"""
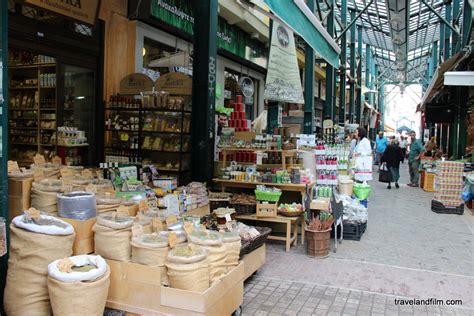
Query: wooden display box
x=17 y=204
x=254 y=261
x=267 y=209
x=321 y=204
x=20 y=188
x=137 y=289
x=84 y=240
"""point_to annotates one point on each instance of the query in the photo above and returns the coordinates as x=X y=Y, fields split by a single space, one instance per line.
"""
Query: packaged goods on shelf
x=112 y=237
x=35 y=242
x=85 y=276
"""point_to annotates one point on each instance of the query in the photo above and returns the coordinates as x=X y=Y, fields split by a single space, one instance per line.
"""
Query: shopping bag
x=385 y=176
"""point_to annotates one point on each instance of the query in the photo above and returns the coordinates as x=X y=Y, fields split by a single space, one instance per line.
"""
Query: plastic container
x=346 y=186
x=267 y=196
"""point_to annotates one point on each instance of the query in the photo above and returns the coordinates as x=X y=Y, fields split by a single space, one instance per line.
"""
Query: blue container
x=365 y=203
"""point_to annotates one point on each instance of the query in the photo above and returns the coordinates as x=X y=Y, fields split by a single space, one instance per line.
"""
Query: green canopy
x=316 y=36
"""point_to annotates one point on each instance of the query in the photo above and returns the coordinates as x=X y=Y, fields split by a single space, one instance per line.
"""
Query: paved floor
x=407 y=252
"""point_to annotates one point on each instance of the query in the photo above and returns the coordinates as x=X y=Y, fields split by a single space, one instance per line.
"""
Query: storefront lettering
x=224 y=37
x=175 y=10
x=83 y=11
x=212 y=76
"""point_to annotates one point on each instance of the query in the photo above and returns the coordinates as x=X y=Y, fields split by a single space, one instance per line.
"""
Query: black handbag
x=385 y=176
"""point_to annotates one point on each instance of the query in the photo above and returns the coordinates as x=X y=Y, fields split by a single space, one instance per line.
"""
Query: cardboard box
x=321 y=204
x=137 y=289
x=17 y=204
x=84 y=240
x=20 y=188
x=254 y=261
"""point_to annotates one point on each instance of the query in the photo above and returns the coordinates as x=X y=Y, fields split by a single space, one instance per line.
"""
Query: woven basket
x=244 y=209
x=260 y=239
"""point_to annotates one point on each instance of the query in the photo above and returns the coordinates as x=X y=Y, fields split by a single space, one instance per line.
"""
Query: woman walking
x=362 y=156
x=392 y=156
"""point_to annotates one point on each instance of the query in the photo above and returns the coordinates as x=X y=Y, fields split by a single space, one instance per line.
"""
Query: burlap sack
x=79 y=298
x=150 y=254
x=26 y=292
x=112 y=243
x=232 y=245
x=188 y=272
x=46 y=202
x=217 y=257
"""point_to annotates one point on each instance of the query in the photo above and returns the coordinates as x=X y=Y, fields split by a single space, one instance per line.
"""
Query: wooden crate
x=136 y=288
x=267 y=209
x=84 y=240
x=254 y=261
x=17 y=204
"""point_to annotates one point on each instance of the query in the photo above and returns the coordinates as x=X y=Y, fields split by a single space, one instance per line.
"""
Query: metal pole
x=204 y=85
x=352 y=70
x=330 y=78
x=359 y=77
x=456 y=36
x=445 y=21
x=447 y=32
x=309 y=83
x=342 y=77
x=354 y=20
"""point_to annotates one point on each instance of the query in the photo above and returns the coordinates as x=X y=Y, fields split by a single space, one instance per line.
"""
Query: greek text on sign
x=81 y=10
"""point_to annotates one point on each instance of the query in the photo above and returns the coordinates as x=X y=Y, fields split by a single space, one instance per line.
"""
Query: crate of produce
x=440 y=208
x=429 y=182
x=353 y=231
x=267 y=196
x=244 y=204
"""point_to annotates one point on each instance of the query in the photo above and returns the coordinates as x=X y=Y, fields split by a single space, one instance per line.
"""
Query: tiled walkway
x=408 y=251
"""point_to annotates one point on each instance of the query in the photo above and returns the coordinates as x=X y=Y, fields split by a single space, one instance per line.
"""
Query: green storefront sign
x=178 y=13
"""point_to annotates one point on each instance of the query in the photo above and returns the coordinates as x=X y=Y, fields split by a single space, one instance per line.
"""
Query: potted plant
x=318 y=235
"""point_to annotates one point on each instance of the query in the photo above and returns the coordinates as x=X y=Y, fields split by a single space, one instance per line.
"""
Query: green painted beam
x=352 y=70
x=368 y=67
x=359 y=77
x=442 y=35
x=467 y=24
x=204 y=89
x=447 y=32
x=309 y=83
x=343 y=56
x=455 y=39
x=329 y=105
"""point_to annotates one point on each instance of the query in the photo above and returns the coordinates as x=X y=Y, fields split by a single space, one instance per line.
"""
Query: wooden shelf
x=48 y=87
x=123 y=109
x=73 y=146
x=23 y=118
x=22 y=109
x=163 y=110
x=48 y=109
x=49 y=145
x=120 y=130
x=32 y=66
x=263 y=165
x=291 y=151
x=165 y=151
x=27 y=144
x=156 y=132
x=23 y=88
x=23 y=127
x=282 y=186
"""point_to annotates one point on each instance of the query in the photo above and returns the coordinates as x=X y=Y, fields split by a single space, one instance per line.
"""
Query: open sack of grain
x=232 y=245
x=151 y=250
x=35 y=241
x=50 y=170
x=44 y=195
x=78 y=285
x=112 y=235
x=188 y=268
x=212 y=242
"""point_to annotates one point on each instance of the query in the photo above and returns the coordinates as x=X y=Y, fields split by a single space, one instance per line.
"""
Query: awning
x=437 y=82
x=302 y=21
x=388 y=128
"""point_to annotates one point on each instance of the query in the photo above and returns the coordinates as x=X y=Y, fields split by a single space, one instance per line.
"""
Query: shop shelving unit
x=32 y=120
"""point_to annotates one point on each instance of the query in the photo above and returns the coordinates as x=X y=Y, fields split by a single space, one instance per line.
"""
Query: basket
x=290 y=214
x=244 y=209
x=318 y=243
x=429 y=182
x=439 y=208
x=244 y=249
x=267 y=196
x=260 y=239
x=361 y=192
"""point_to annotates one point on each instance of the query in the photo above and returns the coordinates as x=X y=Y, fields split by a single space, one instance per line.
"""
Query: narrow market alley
x=407 y=252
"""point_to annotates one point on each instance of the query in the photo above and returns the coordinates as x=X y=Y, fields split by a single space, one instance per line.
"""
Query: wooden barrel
x=318 y=243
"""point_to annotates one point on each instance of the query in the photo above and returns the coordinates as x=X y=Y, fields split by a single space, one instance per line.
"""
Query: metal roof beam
x=353 y=21
x=440 y=17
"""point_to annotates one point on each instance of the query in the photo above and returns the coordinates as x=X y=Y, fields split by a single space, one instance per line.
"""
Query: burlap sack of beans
x=79 y=298
x=217 y=256
x=51 y=171
x=112 y=243
x=232 y=245
x=26 y=292
x=149 y=253
x=190 y=272
x=45 y=201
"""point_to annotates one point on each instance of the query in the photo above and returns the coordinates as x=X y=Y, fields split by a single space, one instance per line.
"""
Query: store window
x=241 y=84
x=160 y=59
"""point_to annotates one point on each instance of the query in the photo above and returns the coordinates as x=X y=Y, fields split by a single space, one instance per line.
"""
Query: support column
x=442 y=27
x=342 y=77
x=433 y=61
x=368 y=75
x=309 y=83
x=382 y=106
x=456 y=39
x=359 y=77
x=204 y=84
x=329 y=106
x=352 y=94
x=447 y=32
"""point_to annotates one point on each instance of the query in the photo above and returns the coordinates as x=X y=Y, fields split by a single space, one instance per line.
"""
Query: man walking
x=416 y=149
x=381 y=144
x=403 y=145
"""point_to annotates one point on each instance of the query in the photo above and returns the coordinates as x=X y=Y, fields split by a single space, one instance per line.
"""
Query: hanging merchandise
x=188 y=268
x=112 y=237
x=36 y=240
x=78 y=285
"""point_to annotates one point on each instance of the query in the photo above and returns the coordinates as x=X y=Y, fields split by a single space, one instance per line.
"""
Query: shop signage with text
x=80 y=10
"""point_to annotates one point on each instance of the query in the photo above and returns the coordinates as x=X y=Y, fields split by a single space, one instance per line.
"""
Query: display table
x=290 y=187
x=289 y=238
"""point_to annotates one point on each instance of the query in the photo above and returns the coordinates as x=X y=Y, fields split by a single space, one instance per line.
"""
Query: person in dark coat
x=392 y=156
